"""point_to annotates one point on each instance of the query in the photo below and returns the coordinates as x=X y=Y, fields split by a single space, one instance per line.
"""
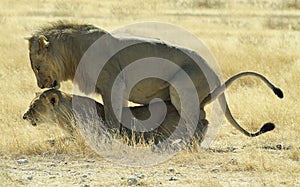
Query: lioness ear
x=43 y=42
x=37 y=94
x=52 y=100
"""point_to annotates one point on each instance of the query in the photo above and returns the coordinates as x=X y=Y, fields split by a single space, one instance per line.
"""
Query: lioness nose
x=25 y=116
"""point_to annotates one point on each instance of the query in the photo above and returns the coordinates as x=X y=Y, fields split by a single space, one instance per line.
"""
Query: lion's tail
x=218 y=92
x=265 y=128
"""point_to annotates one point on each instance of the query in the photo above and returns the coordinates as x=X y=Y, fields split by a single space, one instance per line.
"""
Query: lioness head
x=42 y=108
x=53 y=107
x=44 y=62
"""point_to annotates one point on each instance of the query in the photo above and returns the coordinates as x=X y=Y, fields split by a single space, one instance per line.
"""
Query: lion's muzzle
x=48 y=84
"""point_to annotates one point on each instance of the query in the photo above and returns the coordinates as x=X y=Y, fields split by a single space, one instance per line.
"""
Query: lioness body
x=54 y=106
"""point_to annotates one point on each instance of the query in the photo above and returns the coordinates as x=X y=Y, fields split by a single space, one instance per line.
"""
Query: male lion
x=56 y=53
x=54 y=106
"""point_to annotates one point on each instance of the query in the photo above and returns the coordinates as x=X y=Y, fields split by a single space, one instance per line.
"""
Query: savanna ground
x=260 y=36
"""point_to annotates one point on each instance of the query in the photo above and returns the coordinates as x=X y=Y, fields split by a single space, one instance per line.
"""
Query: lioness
x=56 y=53
x=54 y=106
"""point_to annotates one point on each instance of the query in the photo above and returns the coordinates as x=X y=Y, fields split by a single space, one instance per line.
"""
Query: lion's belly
x=146 y=90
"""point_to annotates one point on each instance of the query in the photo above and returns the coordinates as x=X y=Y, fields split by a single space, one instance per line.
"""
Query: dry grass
x=243 y=35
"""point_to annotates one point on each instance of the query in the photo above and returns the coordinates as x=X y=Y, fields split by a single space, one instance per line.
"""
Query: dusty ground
x=230 y=166
x=260 y=36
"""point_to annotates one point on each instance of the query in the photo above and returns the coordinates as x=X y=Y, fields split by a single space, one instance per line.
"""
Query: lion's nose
x=41 y=85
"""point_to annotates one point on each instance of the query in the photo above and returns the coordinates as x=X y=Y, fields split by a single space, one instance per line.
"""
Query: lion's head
x=56 y=50
x=44 y=62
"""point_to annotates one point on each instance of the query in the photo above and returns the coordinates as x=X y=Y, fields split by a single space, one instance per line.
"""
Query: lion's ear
x=43 y=42
x=52 y=100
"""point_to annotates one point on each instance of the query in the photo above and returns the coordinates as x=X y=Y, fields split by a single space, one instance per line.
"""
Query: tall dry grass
x=243 y=35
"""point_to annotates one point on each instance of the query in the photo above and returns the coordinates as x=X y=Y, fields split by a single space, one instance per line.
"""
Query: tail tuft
x=278 y=92
x=267 y=127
